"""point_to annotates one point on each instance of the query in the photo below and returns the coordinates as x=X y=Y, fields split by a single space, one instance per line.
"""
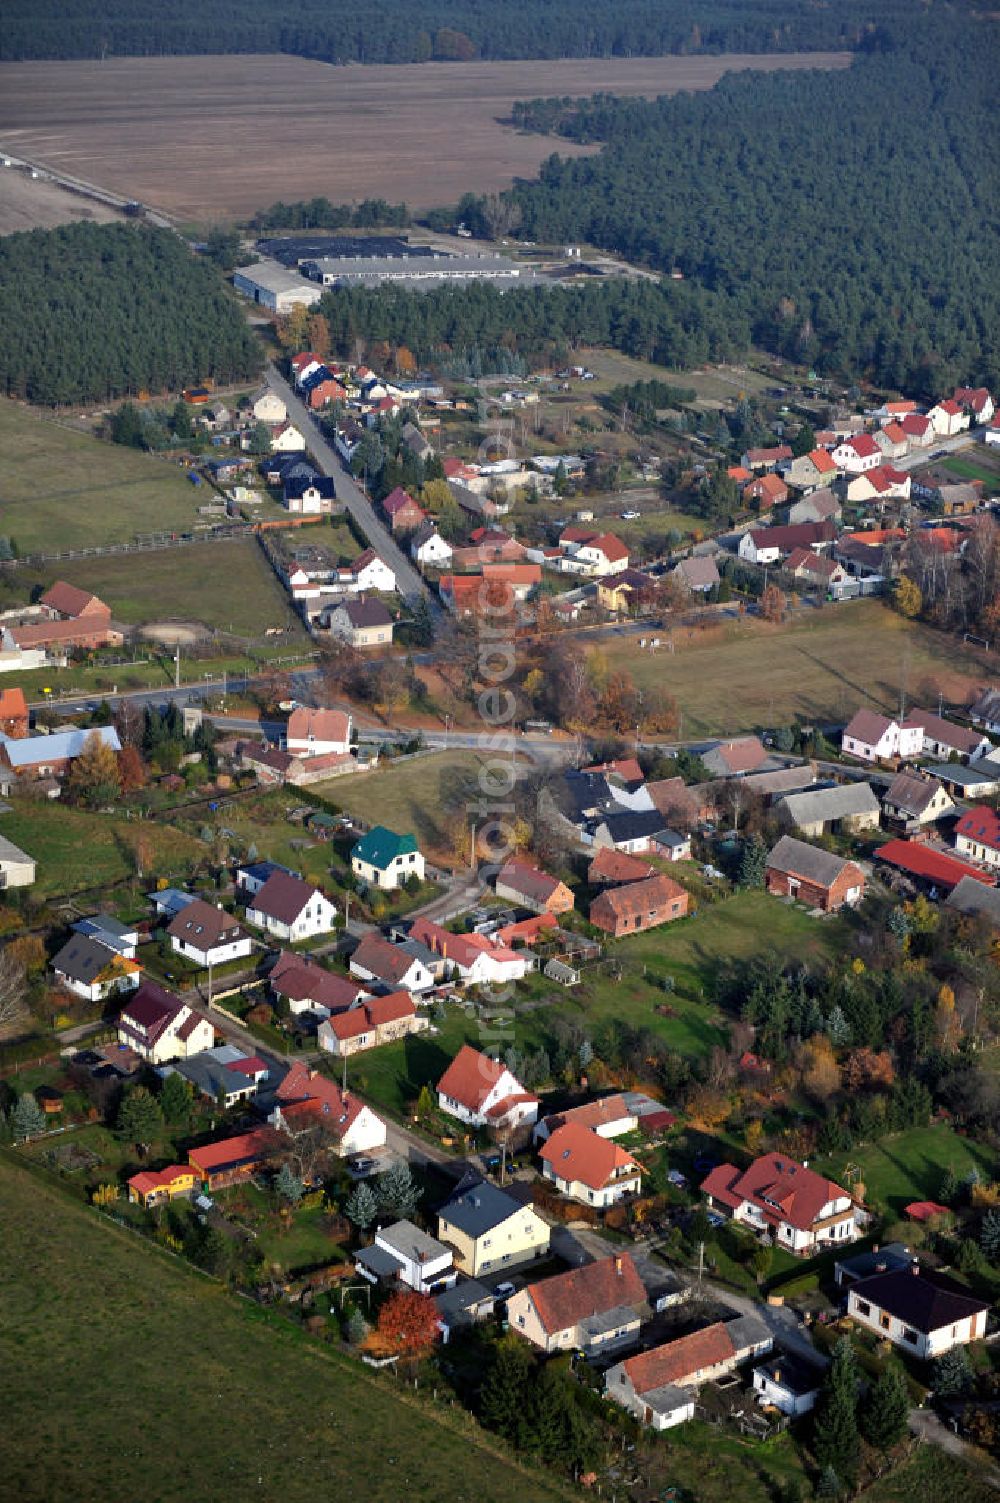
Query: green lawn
x=690 y=951
x=63 y=488
x=911 y=1165
x=825 y=665
x=416 y=794
x=76 y=850
x=972 y=469
x=228 y=585
x=932 y=1476
x=136 y=1378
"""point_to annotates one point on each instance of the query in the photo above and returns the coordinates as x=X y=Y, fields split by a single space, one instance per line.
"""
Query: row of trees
x=440 y=30
x=92 y=312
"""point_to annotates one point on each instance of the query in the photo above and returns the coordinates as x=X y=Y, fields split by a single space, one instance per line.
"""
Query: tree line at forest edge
x=92 y=312
x=439 y=30
x=842 y=219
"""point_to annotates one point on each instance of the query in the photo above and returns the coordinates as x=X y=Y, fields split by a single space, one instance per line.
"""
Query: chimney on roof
x=915 y=1268
x=618 y=1265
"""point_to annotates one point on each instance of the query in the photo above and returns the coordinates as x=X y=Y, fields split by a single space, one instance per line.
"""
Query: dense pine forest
x=848 y=220
x=399 y=31
x=89 y=312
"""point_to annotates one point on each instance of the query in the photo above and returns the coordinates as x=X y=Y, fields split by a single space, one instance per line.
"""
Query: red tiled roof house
x=801 y=1210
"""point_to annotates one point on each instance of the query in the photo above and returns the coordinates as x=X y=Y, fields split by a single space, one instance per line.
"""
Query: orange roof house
x=152 y=1186
x=13 y=714
x=639 y=905
x=587 y=1167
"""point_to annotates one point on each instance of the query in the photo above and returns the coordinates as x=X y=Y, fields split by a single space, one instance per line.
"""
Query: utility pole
x=177 y=667
x=701 y=1261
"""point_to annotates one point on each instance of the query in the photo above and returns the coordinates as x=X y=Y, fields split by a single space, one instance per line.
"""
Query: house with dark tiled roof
x=924 y=1313
x=587 y=1167
x=802 y=1211
x=914 y=800
x=818 y=506
x=593 y=1309
x=308 y=986
x=942 y=739
x=489 y=1229
x=521 y=881
x=766 y=545
x=160 y=1027
x=207 y=935
x=393 y=965
x=810 y=875
x=976 y=900
x=92 y=970
x=660 y=1386
x=481 y=1091
x=291 y=909
x=361 y=622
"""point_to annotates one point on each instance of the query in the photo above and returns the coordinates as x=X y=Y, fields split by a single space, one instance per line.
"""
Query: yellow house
x=625 y=592
x=151 y=1187
x=489 y=1230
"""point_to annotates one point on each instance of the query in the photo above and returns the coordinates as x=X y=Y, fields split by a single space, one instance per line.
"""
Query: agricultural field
x=172 y=132
x=226 y=586
x=823 y=666
x=150 y=1337
x=416 y=795
x=77 y=851
x=64 y=489
x=911 y=1165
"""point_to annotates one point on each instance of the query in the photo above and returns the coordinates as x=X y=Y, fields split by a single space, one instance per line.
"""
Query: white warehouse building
x=276 y=287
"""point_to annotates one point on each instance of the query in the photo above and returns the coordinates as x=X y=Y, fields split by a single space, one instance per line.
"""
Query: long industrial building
x=348 y=271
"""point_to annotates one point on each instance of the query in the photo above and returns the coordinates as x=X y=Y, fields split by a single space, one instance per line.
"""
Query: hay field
x=824 y=665
x=205 y=138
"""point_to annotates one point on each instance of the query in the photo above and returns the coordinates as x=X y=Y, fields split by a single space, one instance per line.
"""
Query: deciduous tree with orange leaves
x=407 y=1322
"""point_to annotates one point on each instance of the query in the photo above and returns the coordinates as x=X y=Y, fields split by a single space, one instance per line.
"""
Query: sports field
x=822 y=667
x=126 y=1375
x=209 y=137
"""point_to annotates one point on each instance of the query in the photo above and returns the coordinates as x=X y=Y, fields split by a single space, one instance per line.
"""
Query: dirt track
x=31 y=205
x=207 y=137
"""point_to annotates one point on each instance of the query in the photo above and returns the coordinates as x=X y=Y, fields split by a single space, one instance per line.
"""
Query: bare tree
x=12 y=989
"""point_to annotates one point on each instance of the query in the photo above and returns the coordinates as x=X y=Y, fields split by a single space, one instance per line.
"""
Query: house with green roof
x=384 y=859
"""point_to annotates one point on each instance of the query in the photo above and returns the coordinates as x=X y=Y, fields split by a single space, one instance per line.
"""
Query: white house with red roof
x=919 y=430
x=305 y=1100
x=602 y=554
x=882 y=483
x=892 y=440
x=583 y=1165
x=977 y=835
x=797 y=1208
x=317 y=732
x=872 y=737
x=977 y=401
x=473 y=958
x=483 y=1092
x=368 y=572
x=160 y=1027
x=948 y=418
x=857 y=454
x=376 y=1020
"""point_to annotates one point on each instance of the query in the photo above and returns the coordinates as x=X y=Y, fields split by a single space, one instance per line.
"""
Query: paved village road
x=411 y=585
